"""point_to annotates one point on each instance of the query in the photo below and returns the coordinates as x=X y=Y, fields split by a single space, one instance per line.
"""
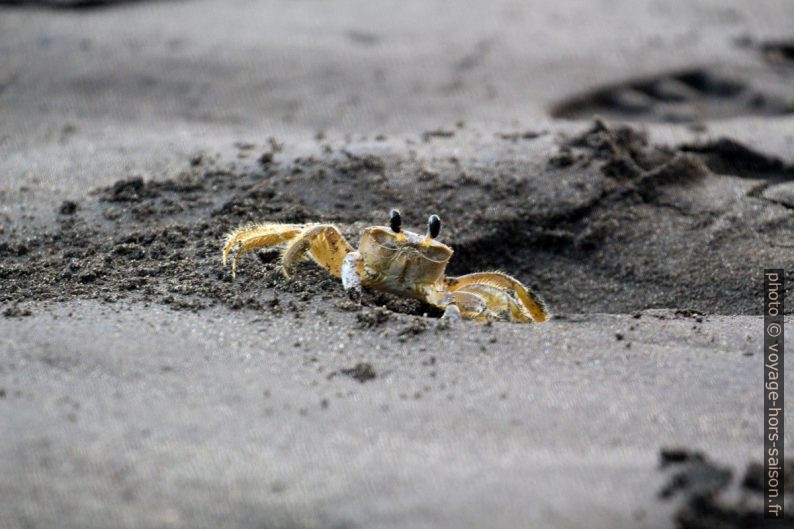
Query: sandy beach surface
x=631 y=161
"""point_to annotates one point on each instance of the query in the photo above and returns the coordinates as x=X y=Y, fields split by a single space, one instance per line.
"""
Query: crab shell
x=404 y=263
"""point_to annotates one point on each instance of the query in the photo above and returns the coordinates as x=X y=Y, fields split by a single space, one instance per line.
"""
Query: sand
x=631 y=162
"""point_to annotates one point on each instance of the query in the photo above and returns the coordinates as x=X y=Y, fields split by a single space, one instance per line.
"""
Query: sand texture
x=630 y=161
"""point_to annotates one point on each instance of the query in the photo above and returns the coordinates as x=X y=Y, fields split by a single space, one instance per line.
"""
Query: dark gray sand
x=140 y=386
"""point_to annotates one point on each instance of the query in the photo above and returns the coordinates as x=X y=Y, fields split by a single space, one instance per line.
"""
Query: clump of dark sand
x=363 y=372
x=612 y=224
x=703 y=489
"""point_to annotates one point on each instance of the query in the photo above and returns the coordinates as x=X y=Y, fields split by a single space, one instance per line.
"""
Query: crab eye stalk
x=395 y=221
x=433 y=226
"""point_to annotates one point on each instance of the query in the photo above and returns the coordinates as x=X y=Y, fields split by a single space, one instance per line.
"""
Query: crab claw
x=451 y=313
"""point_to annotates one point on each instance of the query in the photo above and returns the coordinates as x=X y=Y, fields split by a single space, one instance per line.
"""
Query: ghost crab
x=394 y=260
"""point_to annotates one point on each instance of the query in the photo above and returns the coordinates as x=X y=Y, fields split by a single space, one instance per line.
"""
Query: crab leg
x=323 y=242
x=501 y=297
x=253 y=237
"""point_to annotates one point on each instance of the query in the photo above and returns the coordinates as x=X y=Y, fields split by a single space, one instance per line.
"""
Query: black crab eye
x=395 y=221
x=433 y=226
